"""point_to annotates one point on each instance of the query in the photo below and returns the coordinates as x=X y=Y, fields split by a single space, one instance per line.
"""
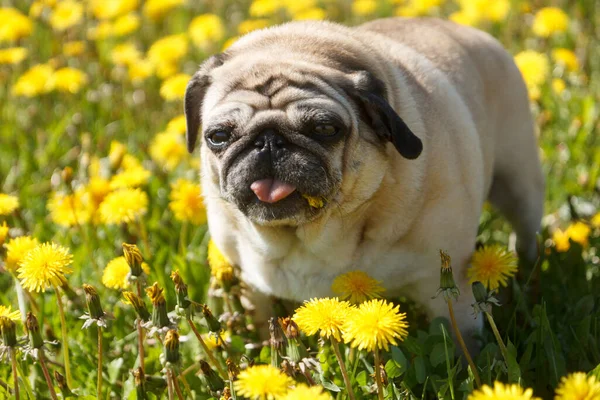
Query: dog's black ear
x=194 y=95
x=370 y=93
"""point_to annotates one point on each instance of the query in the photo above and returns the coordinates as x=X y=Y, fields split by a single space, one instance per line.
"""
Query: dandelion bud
x=290 y=329
x=159 y=306
x=67 y=175
x=155 y=384
x=232 y=369
x=134 y=258
x=181 y=289
x=210 y=377
x=213 y=324
x=479 y=292
x=9 y=331
x=276 y=334
x=62 y=385
x=171 y=346
x=220 y=267
x=33 y=330
x=115 y=155
x=447 y=285
x=140 y=383
x=226 y=394
x=138 y=305
x=93 y=302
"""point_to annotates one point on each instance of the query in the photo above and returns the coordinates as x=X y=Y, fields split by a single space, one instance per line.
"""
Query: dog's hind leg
x=518 y=193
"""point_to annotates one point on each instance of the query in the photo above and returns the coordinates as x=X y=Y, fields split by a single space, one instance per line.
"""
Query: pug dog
x=327 y=149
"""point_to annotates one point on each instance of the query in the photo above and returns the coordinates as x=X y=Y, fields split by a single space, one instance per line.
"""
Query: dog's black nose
x=269 y=139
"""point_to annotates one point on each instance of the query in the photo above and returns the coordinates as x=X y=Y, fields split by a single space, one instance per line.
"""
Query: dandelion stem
x=42 y=359
x=462 y=344
x=99 y=385
x=210 y=355
x=140 y=332
x=169 y=384
x=65 y=338
x=378 y=375
x=13 y=360
x=144 y=235
x=503 y=349
x=183 y=239
x=176 y=385
x=338 y=355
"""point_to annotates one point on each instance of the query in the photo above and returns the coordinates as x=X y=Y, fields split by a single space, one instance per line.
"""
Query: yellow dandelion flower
x=304 y=392
x=5 y=312
x=44 y=266
x=126 y=24
x=262 y=382
x=115 y=274
x=364 y=7
x=264 y=8
x=103 y=30
x=356 y=287
x=14 y=25
x=492 y=266
x=69 y=80
x=375 y=324
x=213 y=341
x=550 y=20
x=579 y=233
x=565 y=57
x=220 y=266
x=497 y=10
x=595 y=221
x=97 y=188
x=125 y=54
x=168 y=49
x=8 y=204
x=123 y=206
x=293 y=6
x=418 y=7
x=314 y=13
x=107 y=9
x=463 y=17
x=186 y=202
x=69 y=209
x=578 y=386
x=116 y=154
x=73 y=48
x=177 y=124
x=157 y=9
x=13 y=55
x=558 y=85
x=501 y=391
x=326 y=316
x=250 y=25
x=206 y=29
x=35 y=81
x=3 y=232
x=140 y=71
x=534 y=68
x=168 y=150
x=132 y=177
x=66 y=14
x=561 y=240
x=174 y=87
x=17 y=249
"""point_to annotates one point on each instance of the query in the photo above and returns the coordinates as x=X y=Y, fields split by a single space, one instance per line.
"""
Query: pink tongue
x=272 y=190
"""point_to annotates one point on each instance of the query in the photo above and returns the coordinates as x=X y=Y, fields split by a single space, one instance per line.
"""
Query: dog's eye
x=326 y=130
x=218 y=138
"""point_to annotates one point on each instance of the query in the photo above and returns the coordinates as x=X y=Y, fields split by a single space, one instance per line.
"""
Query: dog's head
x=281 y=134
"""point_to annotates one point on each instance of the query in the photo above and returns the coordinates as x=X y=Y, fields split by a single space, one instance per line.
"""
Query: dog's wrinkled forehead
x=262 y=89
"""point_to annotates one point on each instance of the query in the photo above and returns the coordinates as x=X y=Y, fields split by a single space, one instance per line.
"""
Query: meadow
x=110 y=287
